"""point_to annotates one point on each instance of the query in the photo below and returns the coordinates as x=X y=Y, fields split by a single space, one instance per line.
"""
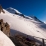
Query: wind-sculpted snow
x=4 y=40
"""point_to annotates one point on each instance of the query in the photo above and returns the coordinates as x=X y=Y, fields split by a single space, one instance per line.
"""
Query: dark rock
x=1 y=9
x=20 y=40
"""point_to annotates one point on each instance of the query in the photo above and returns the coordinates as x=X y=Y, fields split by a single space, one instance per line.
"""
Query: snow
x=44 y=22
x=4 y=40
x=27 y=26
x=24 y=25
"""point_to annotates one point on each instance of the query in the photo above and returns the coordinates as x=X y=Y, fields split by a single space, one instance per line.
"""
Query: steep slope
x=4 y=40
x=27 y=26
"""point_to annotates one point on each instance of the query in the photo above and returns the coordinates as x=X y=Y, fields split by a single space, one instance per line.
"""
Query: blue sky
x=28 y=7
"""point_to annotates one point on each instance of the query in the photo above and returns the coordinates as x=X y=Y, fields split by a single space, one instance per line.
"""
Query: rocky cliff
x=1 y=9
x=4 y=27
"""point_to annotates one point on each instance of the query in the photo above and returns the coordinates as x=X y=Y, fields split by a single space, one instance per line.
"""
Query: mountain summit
x=12 y=10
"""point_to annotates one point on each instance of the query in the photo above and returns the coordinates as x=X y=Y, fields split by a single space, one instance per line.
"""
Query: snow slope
x=4 y=40
x=30 y=26
x=44 y=22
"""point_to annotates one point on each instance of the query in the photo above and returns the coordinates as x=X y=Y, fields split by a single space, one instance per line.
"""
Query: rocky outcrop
x=1 y=9
x=4 y=27
x=20 y=40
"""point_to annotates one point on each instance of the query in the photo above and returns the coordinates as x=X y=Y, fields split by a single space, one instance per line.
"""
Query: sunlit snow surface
x=4 y=40
x=29 y=26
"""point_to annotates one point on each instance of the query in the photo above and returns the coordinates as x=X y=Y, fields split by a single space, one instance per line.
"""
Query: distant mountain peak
x=12 y=10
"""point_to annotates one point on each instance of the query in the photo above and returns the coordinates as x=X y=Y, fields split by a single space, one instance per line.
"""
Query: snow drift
x=4 y=40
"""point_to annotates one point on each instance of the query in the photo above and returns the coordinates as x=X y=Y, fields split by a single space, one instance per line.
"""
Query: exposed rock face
x=5 y=27
x=1 y=9
x=20 y=40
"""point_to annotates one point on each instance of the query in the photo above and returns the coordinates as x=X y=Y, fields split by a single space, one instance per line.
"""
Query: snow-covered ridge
x=21 y=24
x=15 y=11
x=12 y=10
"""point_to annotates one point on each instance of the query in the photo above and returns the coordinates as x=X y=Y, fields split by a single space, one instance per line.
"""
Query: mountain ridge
x=14 y=11
x=27 y=26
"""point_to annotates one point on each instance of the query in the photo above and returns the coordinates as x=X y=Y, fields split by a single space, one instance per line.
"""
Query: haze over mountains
x=23 y=24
